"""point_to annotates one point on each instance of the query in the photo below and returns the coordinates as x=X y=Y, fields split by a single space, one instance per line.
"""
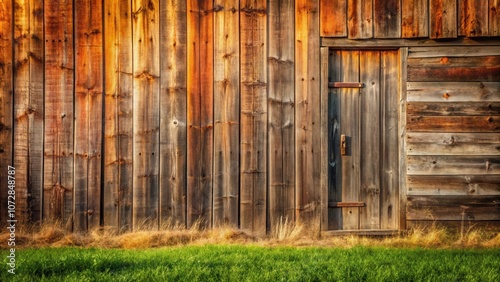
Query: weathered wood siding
x=453 y=134
x=364 y=19
x=155 y=113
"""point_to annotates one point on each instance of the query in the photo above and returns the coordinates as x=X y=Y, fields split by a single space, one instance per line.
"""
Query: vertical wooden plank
x=473 y=15
x=333 y=18
x=443 y=19
x=226 y=113
x=349 y=125
x=389 y=82
x=6 y=103
x=387 y=16
x=28 y=122
x=369 y=138
x=402 y=78
x=324 y=97
x=307 y=114
x=415 y=18
x=117 y=190
x=146 y=70
x=200 y=112
x=88 y=113
x=281 y=133
x=334 y=157
x=253 y=135
x=494 y=18
x=360 y=19
x=173 y=89
x=59 y=88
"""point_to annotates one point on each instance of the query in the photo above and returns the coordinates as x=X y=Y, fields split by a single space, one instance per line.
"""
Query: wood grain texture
x=307 y=114
x=455 y=51
x=88 y=114
x=59 y=116
x=402 y=98
x=118 y=131
x=428 y=185
x=453 y=123
x=28 y=109
x=454 y=69
x=6 y=102
x=478 y=144
x=414 y=18
x=453 y=208
x=349 y=125
x=281 y=109
x=494 y=18
x=453 y=165
x=226 y=113
x=360 y=19
x=200 y=113
x=473 y=18
x=443 y=19
x=453 y=109
x=146 y=71
x=453 y=92
x=173 y=116
x=253 y=134
x=370 y=140
x=390 y=188
x=325 y=144
x=387 y=18
x=333 y=18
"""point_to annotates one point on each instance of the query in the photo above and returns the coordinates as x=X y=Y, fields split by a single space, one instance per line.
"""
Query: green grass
x=254 y=263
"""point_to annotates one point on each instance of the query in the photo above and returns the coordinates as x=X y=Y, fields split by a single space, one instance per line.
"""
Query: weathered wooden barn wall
x=160 y=112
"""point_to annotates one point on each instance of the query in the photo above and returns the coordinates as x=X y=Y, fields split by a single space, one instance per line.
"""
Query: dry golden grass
x=285 y=234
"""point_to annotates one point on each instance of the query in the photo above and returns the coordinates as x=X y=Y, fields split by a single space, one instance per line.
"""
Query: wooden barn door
x=363 y=143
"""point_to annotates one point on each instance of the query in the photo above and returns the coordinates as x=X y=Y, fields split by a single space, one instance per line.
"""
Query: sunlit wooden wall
x=133 y=113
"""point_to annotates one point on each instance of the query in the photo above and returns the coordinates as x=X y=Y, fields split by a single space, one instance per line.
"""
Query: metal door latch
x=343 y=144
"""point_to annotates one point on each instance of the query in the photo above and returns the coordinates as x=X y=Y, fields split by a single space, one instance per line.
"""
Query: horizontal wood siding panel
x=453 y=208
x=453 y=185
x=453 y=165
x=453 y=109
x=453 y=143
x=453 y=91
x=453 y=124
x=458 y=225
x=440 y=52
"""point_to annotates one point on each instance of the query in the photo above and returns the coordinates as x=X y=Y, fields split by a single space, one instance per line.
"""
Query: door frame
x=324 y=92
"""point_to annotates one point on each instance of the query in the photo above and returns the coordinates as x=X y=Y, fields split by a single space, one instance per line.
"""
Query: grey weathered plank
x=404 y=42
x=389 y=73
x=453 y=165
x=369 y=139
x=349 y=120
x=485 y=144
x=461 y=51
x=415 y=18
x=359 y=19
x=281 y=139
x=59 y=115
x=146 y=70
x=453 y=91
x=226 y=113
x=88 y=114
x=453 y=185
x=307 y=114
x=173 y=116
x=333 y=18
x=402 y=97
x=453 y=208
x=443 y=19
x=253 y=134
x=387 y=18
x=325 y=144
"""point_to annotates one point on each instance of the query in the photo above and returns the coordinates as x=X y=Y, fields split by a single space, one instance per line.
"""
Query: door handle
x=343 y=144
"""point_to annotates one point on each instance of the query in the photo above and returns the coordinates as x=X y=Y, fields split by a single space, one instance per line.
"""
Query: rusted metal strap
x=345 y=85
